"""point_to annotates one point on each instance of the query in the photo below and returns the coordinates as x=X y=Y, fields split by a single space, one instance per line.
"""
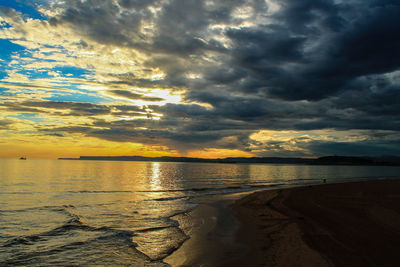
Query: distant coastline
x=327 y=160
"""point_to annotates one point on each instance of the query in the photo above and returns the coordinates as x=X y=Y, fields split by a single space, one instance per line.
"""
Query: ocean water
x=80 y=213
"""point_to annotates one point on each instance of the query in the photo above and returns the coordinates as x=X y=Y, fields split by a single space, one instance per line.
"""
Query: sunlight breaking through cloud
x=247 y=78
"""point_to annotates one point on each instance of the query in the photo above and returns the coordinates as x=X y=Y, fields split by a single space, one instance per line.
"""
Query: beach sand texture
x=346 y=224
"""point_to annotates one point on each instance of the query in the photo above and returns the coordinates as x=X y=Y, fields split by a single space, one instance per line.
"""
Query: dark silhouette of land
x=328 y=160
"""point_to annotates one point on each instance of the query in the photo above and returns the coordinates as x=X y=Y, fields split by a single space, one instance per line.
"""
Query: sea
x=121 y=213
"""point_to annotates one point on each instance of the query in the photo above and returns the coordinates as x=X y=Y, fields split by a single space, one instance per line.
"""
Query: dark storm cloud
x=298 y=15
x=375 y=96
x=328 y=59
x=261 y=47
x=251 y=108
x=310 y=65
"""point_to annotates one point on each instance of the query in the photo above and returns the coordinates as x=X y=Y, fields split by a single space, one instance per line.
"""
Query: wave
x=32 y=209
x=25 y=240
x=74 y=222
x=168 y=198
x=146 y=244
x=192 y=193
x=152 y=229
x=71 y=191
x=202 y=189
x=159 y=242
x=110 y=242
x=186 y=211
x=100 y=191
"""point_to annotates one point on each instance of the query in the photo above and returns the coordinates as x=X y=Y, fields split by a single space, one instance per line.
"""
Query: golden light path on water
x=155 y=182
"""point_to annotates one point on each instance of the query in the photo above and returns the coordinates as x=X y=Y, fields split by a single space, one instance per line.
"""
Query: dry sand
x=347 y=224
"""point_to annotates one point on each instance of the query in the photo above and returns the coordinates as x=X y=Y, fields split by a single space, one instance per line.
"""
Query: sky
x=211 y=79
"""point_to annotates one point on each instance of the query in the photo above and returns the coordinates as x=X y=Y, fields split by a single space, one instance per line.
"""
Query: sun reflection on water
x=155 y=182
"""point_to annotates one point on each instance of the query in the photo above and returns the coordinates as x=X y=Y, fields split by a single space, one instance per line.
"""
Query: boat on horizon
x=22 y=158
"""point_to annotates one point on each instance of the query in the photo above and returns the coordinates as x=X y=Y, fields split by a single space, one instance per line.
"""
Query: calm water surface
x=121 y=213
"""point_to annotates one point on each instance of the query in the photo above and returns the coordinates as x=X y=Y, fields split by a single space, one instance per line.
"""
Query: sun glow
x=155 y=176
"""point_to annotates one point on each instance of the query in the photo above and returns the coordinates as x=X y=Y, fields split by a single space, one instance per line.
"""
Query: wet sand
x=211 y=228
x=347 y=224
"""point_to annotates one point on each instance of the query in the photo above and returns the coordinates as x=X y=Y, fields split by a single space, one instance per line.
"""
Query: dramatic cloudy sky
x=199 y=78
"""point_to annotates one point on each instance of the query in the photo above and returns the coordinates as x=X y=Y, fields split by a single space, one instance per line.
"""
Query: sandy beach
x=346 y=224
x=212 y=229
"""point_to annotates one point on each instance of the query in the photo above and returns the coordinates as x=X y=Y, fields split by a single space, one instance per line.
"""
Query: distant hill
x=327 y=160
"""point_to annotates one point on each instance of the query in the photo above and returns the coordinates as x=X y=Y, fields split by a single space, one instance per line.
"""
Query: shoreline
x=336 y=224
x=211 y=227
x=341 y=224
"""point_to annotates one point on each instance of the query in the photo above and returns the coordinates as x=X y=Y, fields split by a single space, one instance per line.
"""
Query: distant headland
x=327 y=160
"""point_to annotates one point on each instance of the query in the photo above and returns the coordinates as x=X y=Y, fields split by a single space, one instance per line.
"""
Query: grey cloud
x=74 y=108
x=300 y=16
x=5 y=124
x=183 y=111
x=306 y=145
x=134 y=96
x=314 y=64
x=127 y=109
x=193 y=126
x=367 y=45
x=310 y=50
x=256 y=47
x=127 y=133
x=102 y=21
x=55 y=134
x=11 y=14
x=18 y=108
x=355 y=148
x=249 y=108
x=136 y=4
